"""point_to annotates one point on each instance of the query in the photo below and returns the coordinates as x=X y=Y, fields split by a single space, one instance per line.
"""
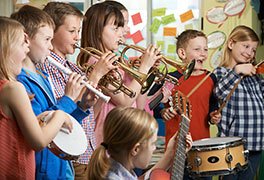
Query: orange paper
x=186 y=16
x=169 y=31
x=136 y=18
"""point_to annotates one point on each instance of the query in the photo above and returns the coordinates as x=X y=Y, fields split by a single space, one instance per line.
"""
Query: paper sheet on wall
x=158 y=12
x=136 y=18
x=137 y=37
x=155 y=25
x=188 y=15
x=171 y=48
x=168 y=19
x=169 y=31
x=161 y=44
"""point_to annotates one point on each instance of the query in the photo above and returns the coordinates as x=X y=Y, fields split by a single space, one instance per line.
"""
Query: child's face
x=67 y=35
x=19 y=53
x=40 y=44
x=196 y=49
x=146 y=150
x=126 y=28
x=243 y=52
x=111 y=35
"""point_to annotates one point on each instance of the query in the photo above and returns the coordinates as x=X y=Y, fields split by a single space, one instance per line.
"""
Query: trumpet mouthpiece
x=76 y=46
x=120 y=42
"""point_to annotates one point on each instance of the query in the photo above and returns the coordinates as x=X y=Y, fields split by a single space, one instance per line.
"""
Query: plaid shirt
x=243 y=114
x=59 y=80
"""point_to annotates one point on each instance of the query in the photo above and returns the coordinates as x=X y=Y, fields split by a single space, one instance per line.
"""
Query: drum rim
x=241 y=141
x=218 y=172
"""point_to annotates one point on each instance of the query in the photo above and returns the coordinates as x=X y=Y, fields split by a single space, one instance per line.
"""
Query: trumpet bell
x=189 y=69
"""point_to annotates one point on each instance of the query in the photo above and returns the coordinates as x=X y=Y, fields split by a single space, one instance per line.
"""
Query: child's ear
x=230 y=44
x=135 y=149
x=181 y=53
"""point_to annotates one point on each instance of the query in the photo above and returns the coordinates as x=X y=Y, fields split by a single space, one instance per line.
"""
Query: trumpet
x=187 y=70
x=108 y=79
x=68 y=72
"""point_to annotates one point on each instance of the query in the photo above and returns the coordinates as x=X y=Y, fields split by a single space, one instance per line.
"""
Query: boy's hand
x=167 y=114
x=166 y=94
x=189 y=142
x=88 y=98
x=215 y=117
x=74 y=86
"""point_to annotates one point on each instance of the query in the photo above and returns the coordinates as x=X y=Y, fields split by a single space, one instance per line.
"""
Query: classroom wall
x=248 y=18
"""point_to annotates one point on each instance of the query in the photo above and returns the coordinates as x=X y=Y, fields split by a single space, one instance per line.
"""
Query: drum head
x=74 y=143
x=70 y=143
x=216 y=141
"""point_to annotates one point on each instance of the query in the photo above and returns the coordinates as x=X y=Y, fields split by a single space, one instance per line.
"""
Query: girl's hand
x=105 y=64
x=245 y=69
x=189 y=142
x=167 y=114
x=149 y=58
x=215 y=117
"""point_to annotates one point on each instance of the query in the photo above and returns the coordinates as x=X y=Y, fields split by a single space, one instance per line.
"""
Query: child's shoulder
x=11 y=87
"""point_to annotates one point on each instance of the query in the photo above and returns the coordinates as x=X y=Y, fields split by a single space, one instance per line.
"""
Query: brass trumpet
x=187 y=70
x=108 y=79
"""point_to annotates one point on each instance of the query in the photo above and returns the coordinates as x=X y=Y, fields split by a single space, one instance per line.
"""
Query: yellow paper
x=188 y=26
x=158 y=12
x=161 y=44
x=168 y=19
x=171 y=48
x=169 y=31
x=155 y=25
x=186 y=16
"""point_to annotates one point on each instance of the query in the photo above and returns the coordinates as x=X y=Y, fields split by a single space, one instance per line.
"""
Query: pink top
x=17 y=158
x=106 y=107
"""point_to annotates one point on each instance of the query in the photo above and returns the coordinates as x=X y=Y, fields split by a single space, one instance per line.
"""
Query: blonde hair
x=123 y=128
x=238 y=34
x=10 y=32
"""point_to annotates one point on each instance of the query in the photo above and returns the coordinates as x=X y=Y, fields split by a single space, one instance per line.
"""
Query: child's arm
x=21 y=111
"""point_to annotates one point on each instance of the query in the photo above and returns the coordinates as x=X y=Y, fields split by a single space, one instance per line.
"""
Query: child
x=39 y=26
x=68 y=20
x=244 y=112
x=130 y=137
x=20 y=130
x=192 y=45
x=106 y=21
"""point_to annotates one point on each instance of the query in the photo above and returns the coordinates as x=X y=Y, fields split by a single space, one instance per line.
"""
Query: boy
x=192 y=45
x=39 y=26
x=68 y=20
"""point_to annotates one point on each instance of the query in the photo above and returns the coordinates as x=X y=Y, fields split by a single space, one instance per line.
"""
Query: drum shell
x=217 y=159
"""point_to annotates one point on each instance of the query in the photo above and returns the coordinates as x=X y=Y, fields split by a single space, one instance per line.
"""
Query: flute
x=68 y=72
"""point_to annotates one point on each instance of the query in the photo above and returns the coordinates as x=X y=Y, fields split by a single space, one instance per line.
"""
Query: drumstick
x=68 y=72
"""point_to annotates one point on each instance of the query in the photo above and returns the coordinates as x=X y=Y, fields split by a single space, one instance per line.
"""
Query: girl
x=102 y=30
x=20 y=130
x=130 y=136
x=244 y=112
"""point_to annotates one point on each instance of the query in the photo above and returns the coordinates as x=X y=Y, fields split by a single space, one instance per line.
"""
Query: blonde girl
x=20 y=131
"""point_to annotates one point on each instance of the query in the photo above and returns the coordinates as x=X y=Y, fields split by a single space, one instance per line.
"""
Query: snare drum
x=217 y=156
x=69 y=145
